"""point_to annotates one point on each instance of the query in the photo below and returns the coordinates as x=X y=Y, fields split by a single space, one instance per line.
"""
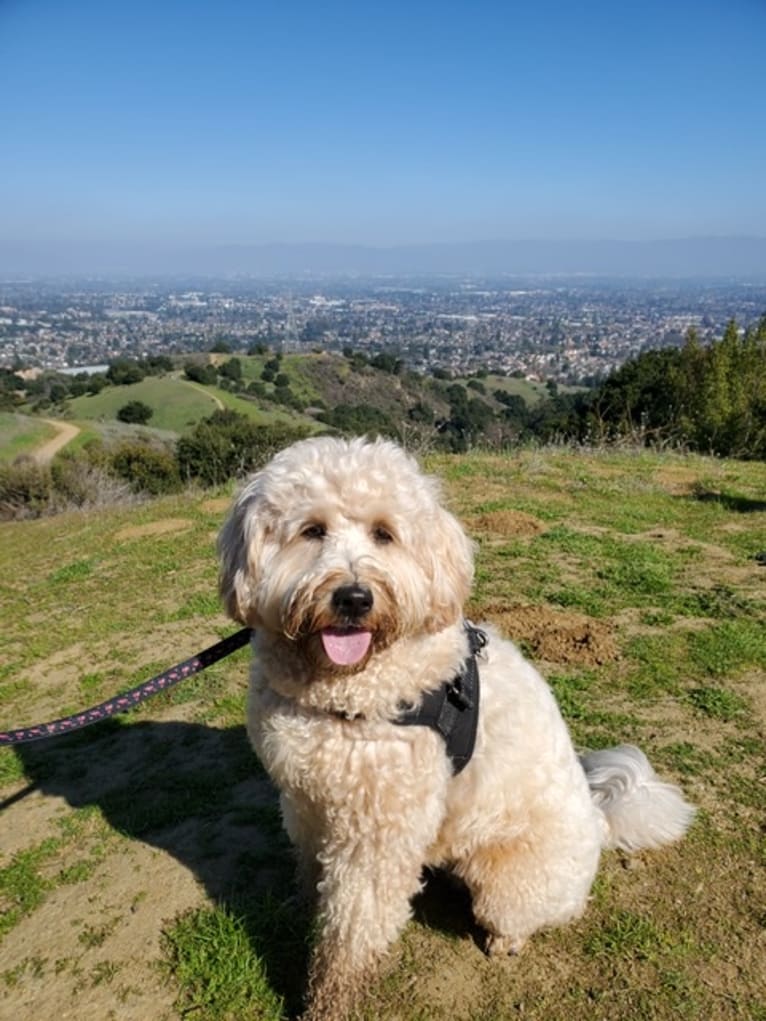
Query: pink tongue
x=345 y=646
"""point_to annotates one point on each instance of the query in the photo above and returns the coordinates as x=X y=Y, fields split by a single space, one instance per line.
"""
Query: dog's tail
x=638 y=808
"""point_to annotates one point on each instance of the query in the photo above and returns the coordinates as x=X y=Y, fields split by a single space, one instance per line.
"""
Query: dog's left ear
x=450 y=566
x=239 y=547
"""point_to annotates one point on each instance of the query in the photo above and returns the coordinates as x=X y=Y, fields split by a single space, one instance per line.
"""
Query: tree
x=124 y=371
x=197 y=373
x=135 y=412
x=231 y=370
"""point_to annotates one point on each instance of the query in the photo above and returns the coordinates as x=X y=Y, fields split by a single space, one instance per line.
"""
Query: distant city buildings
x=568 y=331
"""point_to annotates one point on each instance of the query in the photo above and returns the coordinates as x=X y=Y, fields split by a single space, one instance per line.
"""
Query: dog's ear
x=240 y=543
x=450 y=567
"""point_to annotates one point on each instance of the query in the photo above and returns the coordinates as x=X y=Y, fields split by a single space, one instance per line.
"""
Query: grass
x=143 y=860
x=177 y=405
x=21 y=434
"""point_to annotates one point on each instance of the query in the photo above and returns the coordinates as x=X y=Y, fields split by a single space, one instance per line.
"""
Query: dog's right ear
x=239 y=548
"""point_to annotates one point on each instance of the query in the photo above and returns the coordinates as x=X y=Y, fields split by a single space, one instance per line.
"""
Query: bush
x=135 y=412
x=204 y=374
x=228 y=445
x=25 y=489
x=81 y=483
x=146 y=468
x=231 y=369
x=124 y=371
x=359 y=419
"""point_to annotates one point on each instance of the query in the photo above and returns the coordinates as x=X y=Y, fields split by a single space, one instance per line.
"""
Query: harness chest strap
x=452 y=709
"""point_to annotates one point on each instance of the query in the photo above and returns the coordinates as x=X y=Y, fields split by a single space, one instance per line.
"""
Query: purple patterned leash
x=122 y=703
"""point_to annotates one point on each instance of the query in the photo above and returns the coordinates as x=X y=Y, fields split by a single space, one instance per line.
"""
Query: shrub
x=135 y=412
x=228 y=445
x=197 y=373
x=81 y=483
x=231 y=369
x=124 y=371
x=25 y=489
x=147 y=468
x=359 y=419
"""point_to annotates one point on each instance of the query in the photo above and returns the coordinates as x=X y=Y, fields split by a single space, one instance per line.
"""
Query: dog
x=343 y=559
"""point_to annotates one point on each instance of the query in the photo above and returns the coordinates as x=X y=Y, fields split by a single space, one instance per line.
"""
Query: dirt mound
x=555 y=635
x=507 y=522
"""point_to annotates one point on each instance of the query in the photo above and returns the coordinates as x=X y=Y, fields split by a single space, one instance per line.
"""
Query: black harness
x=452 y=709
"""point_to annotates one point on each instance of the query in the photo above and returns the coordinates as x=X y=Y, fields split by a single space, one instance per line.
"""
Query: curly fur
x=366 y=803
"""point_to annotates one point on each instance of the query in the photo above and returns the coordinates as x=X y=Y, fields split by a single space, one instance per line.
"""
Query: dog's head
x=343 y=546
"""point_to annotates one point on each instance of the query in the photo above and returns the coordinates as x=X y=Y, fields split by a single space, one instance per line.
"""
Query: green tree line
x=708 y=398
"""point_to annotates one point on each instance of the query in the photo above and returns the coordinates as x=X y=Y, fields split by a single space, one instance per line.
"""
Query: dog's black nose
x=352 y=601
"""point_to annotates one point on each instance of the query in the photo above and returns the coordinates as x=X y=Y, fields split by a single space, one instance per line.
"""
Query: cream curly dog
x=341 y=557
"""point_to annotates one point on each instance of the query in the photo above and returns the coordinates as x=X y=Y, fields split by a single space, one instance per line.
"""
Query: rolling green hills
x=177 y=404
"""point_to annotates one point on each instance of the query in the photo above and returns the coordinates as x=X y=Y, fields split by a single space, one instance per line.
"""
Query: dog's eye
x=314 y=531
x=382 y=535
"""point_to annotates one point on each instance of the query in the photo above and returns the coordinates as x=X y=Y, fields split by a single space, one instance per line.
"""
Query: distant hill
x=683 y=257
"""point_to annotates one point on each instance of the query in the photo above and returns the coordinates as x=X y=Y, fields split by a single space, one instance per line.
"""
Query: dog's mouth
x=345 y=646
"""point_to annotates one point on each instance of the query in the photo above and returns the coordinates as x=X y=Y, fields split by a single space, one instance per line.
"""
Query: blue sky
x=381 y=123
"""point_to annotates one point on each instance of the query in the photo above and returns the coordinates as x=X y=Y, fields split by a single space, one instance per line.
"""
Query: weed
x=627 y=935
x=717 y=702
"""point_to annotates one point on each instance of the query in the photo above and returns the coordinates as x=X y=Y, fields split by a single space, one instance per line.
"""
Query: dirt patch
x=507 y=523
x=555 y=635
x=218 y=505
x=105 y=944
x=164 y=527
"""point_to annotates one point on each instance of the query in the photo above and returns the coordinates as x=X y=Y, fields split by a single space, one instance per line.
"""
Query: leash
x=129 y=699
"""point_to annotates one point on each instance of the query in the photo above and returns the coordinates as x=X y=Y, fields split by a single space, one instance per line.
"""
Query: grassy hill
x=21 y=434
x=371 y=397
x=142 y=863
x=177 y=403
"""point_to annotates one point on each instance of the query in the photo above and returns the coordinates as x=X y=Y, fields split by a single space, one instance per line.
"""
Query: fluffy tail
x=639 y=809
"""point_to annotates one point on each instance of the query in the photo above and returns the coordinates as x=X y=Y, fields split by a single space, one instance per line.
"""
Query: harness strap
x=452 y=709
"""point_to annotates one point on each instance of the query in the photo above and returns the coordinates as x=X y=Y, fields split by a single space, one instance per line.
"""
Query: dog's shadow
x=198 y=793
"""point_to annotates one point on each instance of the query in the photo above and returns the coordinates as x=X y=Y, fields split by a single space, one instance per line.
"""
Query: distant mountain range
x=686 y=257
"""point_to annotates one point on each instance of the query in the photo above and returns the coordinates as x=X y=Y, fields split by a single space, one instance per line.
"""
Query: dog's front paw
x=503 y=946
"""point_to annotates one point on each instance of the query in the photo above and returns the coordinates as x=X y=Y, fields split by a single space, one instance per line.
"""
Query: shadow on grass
x=730 y=501
x=199 y=794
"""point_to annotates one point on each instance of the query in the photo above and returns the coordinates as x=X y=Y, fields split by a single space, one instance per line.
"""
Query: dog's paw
x=503 y=946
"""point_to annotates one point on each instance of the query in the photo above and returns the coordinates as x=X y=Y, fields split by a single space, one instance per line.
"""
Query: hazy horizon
x=670 y=258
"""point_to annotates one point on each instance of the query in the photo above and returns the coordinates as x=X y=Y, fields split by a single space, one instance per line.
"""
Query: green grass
x=21 y=434
x=212 y=959
x=177 y=406
x=172 y=795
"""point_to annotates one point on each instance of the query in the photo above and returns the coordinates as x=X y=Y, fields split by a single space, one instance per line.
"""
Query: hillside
x=142 y=862
x=309 y=391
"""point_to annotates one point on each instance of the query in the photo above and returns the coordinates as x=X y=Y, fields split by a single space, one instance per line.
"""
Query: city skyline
x=237 y=124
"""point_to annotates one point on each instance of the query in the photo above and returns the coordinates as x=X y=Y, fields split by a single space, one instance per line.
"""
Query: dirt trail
x=216 y=400
x=66 y=432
